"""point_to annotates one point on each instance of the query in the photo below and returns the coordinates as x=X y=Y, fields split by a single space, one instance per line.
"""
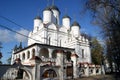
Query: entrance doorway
x=69 y=71
x=50 y=73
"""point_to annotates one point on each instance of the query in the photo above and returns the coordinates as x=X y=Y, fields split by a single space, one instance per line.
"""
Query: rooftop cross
x=52 y=2
x=38 y=13
x=48 y=2
x=65 y=11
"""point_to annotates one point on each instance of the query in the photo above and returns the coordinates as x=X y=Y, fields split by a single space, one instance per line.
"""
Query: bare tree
x=106 y=14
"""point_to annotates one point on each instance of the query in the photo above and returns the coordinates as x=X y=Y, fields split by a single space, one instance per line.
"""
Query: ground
x=99 y=77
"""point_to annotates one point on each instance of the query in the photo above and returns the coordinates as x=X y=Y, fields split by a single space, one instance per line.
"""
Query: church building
x=55 y=51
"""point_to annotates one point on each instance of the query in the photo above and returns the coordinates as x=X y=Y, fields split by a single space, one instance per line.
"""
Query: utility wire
x=21 y=27
x=21 y=33
x=13 y=22
x=5 y=18
x=18 y=32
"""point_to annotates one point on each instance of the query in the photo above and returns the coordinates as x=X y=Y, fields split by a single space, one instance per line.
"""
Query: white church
x=55 y=51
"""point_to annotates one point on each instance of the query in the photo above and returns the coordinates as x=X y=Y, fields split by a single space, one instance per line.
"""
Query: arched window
x=49 y=73
x=60 y=42
x=54 y=54
x=28 y=54
x=15 y=56
x=18 y=55
x=33 y=52
x=23 y=56
x=68 y=55
x=44 y=52
x=49 y=40
x=82 y=53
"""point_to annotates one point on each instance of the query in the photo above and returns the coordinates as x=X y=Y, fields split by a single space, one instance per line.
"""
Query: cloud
x=21 y=38
x=6 y=36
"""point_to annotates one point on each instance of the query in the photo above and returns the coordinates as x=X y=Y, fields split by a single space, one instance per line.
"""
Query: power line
x=19 y=26
x=21 y=33
x=13 y=22
x=18 y=32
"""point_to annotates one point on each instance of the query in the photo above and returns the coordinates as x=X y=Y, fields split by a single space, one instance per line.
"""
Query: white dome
x=47 y=15
x=37 y=21
x=66 y=22
x=56 y=13
x=75 y=29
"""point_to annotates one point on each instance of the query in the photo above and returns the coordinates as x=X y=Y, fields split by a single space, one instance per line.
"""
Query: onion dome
x=54 y=8
x=75 y=29
x=47 y=8
x=37 y=17
x=66 y=16
x=75 y=24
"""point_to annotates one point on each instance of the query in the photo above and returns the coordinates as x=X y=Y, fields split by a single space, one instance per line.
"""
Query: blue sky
x=23 y=12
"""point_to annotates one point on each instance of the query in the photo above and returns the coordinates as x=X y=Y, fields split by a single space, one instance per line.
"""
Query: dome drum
x=75 y=29
x=66 y=22
x=47 y=16
x=37 y=21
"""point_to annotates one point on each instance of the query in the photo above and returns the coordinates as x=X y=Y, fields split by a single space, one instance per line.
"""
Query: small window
x=28 y=54
x=60 y=42
x=19 y=56
x=33 y=52
x=82 y=53
x=23 y=56
x=49 y=40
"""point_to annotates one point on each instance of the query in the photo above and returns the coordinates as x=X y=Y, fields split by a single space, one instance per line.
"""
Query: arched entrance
x=68 y=55
x=17 y=73
x=44 y=53
x=23 y=74
x=54 y=54
x=50 y=73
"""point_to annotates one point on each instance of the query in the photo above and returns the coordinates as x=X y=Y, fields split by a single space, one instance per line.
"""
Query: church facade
x=54 y=51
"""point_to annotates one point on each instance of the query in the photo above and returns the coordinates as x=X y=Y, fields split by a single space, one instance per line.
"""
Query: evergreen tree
x=96 y=51
x=0 y=53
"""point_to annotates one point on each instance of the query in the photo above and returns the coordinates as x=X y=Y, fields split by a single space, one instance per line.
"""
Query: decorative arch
x=27 y=75
x=15 y=73
x=28 y=54
x=26 y=70
x=23 y=56
x=54 y=54
x=23 y=74
x=49 y=40
x=63 y=29
x=33 y=52
x=49 y=73
x=68 y=55
x=44 y=53
x=52 y=26
x=18 y=55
